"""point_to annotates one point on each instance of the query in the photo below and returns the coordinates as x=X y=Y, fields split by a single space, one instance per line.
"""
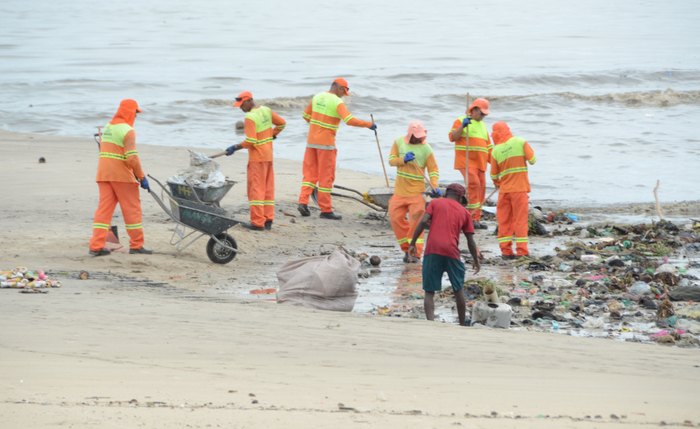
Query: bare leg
x=429 y=305
x=461 y=306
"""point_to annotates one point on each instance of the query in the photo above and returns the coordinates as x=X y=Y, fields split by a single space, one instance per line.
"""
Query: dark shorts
x=434 y=266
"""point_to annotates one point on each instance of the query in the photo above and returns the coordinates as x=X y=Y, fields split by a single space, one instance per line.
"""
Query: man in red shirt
x=447 y=218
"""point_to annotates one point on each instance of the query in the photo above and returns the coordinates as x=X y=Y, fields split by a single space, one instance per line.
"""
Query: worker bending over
x=411 y=155
x=259 y=133
x=472 y=154
x=447 y=218
x=119 y=173
x=324 y=113
x=509 y=173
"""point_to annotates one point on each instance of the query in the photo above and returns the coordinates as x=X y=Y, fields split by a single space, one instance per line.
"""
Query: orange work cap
x=129 y=104
x=457 y=189
x=500 y=132
x=243 y=96
x=482 y=104
x=343 y=84
x=417 y=130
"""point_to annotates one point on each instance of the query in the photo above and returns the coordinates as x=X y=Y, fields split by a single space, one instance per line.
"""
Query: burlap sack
x=323 y=282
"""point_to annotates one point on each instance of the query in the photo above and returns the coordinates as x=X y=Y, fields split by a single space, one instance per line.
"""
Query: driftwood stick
x=656 y=197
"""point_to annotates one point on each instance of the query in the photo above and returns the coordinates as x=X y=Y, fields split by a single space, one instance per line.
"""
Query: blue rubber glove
x=144 y=184
x=373 y=127
x=466 y=122
x=436 y=193
x=230 y=150
x=410 y=156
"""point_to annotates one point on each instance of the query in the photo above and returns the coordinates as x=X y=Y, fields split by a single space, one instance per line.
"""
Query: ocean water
x=607 y=92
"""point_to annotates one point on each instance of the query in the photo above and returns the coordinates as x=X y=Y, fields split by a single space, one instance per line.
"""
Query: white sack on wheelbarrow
x=322 y=282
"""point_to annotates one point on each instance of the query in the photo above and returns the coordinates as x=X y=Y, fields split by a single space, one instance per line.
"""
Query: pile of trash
x=203 y=172
x=628 y=282
x=29 y=281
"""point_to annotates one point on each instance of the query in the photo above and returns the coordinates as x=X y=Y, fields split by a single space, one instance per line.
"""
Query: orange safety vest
x=324 y=120
x=509 y=165
x=477 y=151
x=113 y=165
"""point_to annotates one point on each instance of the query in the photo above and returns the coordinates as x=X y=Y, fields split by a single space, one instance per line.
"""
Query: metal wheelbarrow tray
x=211 y=195
x=205 y=219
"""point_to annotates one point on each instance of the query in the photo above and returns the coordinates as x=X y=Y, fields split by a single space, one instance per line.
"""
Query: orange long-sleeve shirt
x=117 y=163
x=475 y=154
x=509 y=165
x=324 y=119
x=258 y=137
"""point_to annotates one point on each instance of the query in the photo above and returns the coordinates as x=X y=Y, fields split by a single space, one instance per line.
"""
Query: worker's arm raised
x=132 y=155
x=456 y=131
x=347 y=117
x=395 y=160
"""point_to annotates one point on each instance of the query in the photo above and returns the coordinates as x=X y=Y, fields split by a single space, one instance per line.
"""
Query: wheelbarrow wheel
x=219 y=254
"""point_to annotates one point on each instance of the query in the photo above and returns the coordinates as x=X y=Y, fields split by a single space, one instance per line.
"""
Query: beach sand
x=162 y=341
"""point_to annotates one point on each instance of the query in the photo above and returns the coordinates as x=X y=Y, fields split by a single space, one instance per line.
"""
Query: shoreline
x=173 y=340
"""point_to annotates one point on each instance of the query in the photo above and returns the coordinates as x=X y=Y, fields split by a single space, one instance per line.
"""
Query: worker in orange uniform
x=509 y=173
x=472 y=156
x=324 y=113
x=259 y=133
x=119 y=173
x=411 y=155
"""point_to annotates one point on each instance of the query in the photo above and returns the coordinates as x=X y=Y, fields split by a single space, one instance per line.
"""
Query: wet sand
x=172 y=340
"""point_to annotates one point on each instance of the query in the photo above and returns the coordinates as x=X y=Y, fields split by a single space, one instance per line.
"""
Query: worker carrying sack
x=324 y=282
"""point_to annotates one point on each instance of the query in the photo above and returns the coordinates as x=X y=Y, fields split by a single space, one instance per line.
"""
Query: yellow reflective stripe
x=403 y=240
x=324 y=125
x=521 y=240
x=489 y=146
x=504 y=239
x=269 y=202
x=392 y=156
x=460 y=147
x=281 y=127
x=131 y=153
x=321 y=146
x=477 y=149
x=409 y=176
x=474 y=206
x=100 y=226
x=256 y=202
x=263 y=141
x=434 y=174
x=347 y=118
x=112 y=156
x=494 y=177
x=420 y=241
x=134 y=226
x=306 y=116
x=533 y=160
x=326 y=190
x=308 y=185
x=251 y=140
x=512 y=171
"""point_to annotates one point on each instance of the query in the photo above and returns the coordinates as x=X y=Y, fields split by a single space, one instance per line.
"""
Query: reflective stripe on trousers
x=129 y=199
x=318 y=168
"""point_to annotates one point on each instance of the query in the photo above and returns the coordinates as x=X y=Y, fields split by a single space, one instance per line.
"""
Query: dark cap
x=457 y=189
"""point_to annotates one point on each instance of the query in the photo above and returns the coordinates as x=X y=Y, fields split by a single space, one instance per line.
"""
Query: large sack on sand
x=323 y=282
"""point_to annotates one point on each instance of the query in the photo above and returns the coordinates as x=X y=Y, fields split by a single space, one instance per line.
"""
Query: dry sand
x=163 y=341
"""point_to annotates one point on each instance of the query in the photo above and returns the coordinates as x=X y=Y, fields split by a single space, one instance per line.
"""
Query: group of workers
x=119 y=174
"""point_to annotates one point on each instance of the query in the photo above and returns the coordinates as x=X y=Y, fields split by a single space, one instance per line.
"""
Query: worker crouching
x=259 y=133
x=411 y=155
x=509 y=173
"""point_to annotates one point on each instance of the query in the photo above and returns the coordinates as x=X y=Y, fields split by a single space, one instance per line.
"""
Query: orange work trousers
x=512 y=215
x=319 y=173
x=261 y=192
x=129 y=199
x=404 y=227
x=476 y=190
